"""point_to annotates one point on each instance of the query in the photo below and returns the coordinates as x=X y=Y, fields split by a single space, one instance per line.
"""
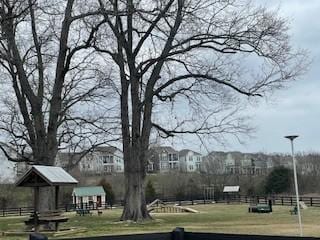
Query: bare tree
x=183 y=67
x=53 y=89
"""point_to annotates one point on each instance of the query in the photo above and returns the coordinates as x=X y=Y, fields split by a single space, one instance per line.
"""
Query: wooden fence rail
x=276 y=200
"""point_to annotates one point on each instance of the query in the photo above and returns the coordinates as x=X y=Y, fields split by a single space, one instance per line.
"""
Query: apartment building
x=103 y=160
x=162 y=159
x=237 y=163
x=190 y=161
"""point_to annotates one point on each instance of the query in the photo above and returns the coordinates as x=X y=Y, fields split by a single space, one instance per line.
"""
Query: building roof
x=42 y=176
x=65 y=158
x=184 y=152
x=88 y=191
x=231 y=189
x=164 y=149
x=108 y=149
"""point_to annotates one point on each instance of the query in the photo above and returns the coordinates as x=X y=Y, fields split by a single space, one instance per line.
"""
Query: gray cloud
x=295 y=110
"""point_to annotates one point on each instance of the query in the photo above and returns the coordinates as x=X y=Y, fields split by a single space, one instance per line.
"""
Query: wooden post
x=56 y=197
x=36 y=236
x=36 y=208
x=178 y=234
x=56 y=205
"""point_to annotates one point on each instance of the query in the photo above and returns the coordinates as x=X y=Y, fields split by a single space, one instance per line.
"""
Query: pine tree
x=150 y=192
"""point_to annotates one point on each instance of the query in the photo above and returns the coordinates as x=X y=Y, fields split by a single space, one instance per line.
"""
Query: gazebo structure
x=45 y=176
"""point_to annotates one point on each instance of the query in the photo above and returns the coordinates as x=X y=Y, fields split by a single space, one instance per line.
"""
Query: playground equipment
x=208 y=193
x=157 y=206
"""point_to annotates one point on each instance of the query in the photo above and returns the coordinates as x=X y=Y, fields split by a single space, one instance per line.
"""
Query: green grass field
x=219 y=218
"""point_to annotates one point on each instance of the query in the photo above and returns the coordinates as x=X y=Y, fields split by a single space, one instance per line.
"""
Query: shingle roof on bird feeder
x=43 y=176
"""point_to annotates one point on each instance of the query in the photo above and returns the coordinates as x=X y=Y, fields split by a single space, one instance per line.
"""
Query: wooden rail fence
x=237 y=199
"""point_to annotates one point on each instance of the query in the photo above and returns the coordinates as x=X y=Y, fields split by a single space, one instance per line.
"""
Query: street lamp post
x=291 y=138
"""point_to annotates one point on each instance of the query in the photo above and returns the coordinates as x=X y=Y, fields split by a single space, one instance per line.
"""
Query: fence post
x=282 y=201
x=177 y=234
x=19 y=211
x=291 y=201
x=311 y=201
x=37 y=236
x=3 y=212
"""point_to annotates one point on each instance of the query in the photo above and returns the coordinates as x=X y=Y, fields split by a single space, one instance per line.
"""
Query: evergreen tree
x=150 y=192
x=278 y=181
x=110 y=196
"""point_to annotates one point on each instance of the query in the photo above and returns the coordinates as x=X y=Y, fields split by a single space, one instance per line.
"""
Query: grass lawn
x=218 y=218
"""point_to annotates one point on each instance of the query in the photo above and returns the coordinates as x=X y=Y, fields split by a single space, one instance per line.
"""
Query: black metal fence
x=180 y=234
x=233 y=199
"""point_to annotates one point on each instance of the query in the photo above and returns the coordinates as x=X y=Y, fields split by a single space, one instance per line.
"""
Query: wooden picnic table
x=83 y=212
x=45 y=218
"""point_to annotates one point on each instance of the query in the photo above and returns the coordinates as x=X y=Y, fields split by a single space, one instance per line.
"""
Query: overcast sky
x=295 y=110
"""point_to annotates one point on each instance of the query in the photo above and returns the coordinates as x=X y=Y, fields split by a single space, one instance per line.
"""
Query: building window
x=108 y=169
x=173 y=157
x=150 y=167
x=163 y=165
x=107 y=159
x=164 y=157
x=198 y=166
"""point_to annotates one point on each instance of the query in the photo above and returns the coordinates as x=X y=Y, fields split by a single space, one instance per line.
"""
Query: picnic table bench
x=83 y=212
x=259 y=208
x=45 y=218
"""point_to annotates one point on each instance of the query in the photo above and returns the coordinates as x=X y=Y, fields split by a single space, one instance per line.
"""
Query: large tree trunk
x=46 y=194
x=46 y=199
x=135 y=205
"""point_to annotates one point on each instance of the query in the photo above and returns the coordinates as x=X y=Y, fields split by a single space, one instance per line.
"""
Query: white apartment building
x=163 y=159
x=103 y=160
x=190 y=161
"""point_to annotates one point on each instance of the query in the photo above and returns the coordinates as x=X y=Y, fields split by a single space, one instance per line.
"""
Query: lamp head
x=292 y=137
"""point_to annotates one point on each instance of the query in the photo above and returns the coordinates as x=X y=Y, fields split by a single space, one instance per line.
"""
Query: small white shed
x=89 y=196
